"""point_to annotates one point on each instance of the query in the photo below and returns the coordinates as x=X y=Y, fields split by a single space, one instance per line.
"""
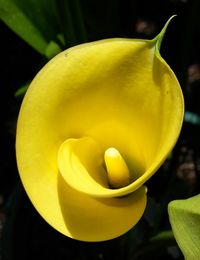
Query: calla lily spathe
x=110 y=93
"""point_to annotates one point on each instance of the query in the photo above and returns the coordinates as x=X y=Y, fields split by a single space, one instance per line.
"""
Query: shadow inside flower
x=96 y=219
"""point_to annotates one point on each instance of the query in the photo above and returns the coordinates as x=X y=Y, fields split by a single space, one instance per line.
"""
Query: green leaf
x=52 y=49
x=22 y=90
x=16 y=20
x=185 y=221
x=39 y=22
x=166 y=235
x=71 y=21
x=42 y=13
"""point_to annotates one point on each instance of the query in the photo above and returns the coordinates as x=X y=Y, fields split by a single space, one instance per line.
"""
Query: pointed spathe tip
x=160 y=36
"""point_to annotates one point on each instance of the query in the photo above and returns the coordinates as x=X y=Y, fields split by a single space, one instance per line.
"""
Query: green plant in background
x=48 y=26
x=185 y=220
x=51 y=26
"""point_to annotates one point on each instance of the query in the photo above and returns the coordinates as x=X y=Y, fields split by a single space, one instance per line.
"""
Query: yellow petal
x=119 y=93
x=90 y=219
x=80 y=163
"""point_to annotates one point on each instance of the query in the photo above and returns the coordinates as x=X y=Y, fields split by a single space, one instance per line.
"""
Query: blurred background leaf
x=71 y=22
x=22 y=24
x=22 y=90
x=47 y=25
x=185 y=220
x=42 y=29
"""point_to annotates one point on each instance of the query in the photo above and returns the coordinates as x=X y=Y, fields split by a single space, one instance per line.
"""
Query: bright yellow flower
x=96 y=123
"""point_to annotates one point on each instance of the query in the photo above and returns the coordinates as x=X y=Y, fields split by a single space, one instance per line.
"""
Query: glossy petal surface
x=119 y=93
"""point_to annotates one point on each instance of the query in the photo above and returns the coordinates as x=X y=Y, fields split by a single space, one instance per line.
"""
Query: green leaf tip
x=22 y=90
x=158 y=39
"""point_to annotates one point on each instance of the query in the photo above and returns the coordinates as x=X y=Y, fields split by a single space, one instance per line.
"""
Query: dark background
x=26 y=235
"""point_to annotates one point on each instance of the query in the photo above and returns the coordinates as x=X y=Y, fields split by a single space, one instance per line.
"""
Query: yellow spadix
x=117 y=170
x=96 y=123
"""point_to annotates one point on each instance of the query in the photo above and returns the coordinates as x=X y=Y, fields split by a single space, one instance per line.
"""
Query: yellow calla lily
x=96 y=123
